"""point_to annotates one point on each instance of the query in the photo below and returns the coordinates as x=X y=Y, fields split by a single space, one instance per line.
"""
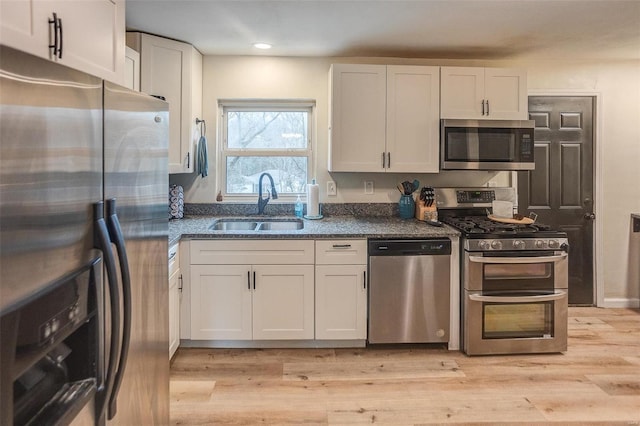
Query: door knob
x=590 y=216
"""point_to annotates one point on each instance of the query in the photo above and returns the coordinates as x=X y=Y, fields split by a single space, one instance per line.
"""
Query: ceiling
x=471 y=29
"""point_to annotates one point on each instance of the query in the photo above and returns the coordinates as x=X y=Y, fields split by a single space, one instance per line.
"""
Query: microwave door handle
x=103 y=243
x=115 y=233
x=518 y=260
x=518 y=299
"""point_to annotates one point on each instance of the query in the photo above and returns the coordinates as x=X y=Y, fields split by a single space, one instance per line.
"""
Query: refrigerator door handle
x=115 y=233
x=102 y=242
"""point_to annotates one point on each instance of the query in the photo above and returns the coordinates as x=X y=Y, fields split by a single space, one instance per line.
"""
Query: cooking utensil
x=416 y=185
x=400 y=188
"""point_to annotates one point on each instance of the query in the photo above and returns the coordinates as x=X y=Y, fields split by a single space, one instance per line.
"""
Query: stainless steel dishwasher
x=409 y=283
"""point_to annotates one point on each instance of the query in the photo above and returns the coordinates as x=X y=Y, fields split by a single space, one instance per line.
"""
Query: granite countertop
x=197 y=227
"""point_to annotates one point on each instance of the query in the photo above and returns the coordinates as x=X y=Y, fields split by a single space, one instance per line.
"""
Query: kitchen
x=613 y=81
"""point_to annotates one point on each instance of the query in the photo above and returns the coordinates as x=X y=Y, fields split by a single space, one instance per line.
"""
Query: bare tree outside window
x=266 y=139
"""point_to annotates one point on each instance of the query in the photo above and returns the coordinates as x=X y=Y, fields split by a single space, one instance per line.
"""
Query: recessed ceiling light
x=263 y=46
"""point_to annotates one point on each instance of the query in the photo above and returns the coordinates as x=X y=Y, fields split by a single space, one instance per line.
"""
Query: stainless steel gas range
x=514 y=276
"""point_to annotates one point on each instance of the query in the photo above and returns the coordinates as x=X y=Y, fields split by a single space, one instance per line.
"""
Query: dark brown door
x=560 y=189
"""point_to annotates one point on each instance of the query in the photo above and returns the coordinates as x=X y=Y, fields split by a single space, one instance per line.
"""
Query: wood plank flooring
x=596 y=382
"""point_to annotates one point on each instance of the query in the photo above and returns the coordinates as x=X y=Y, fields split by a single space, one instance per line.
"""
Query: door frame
x=598 y=244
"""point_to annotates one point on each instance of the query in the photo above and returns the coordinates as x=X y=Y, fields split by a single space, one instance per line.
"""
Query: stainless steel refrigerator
x=83 y=248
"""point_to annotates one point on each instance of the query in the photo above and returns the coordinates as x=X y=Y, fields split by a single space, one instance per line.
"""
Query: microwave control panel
x=475 y=196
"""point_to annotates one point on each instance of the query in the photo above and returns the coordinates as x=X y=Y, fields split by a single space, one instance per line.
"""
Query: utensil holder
x=406 y=206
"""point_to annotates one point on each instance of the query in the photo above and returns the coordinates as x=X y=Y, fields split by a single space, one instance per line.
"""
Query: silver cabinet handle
x=518 y=299
x=180 y=285
x=388 y=160
x=482 y=106
x=341 y=246
x=518 y=260
x=487 y=106
x=383 y=160
x=364 y=281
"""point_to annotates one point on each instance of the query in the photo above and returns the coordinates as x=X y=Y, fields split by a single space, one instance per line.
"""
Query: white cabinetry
x=384 y=118
x=341 y=289
x=175 y=290
x=244 y=290
x=87 y=35
x=173 y=70
x=132 y=69
x=483 y=93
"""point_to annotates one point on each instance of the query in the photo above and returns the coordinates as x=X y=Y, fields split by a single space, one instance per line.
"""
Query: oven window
x=517 y=320
x=521 y=276
x=522 y=271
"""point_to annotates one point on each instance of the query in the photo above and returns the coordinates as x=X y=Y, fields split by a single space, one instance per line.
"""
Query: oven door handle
x=518 y=299
x=515 y=260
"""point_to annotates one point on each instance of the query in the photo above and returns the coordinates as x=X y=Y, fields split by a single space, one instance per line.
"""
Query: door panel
x=560 y=189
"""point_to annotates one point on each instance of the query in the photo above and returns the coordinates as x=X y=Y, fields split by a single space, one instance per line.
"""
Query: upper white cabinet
x=483 y=93
x=132 y=69
x=173 y=70
x=384 y=118
x=88 y=35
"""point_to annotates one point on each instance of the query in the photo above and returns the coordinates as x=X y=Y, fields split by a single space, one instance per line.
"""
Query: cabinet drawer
x=341 y=252
x=174 y=258
x=254 y=252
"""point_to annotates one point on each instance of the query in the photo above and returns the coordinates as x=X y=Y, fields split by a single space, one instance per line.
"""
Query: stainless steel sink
x=252 y=225
x=280 y=225
x=233 y=225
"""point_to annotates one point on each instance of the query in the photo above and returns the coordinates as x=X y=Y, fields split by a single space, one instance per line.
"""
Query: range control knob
x=539 y=244
x=484 y=245
x=495 y=244
x=553 y=244
x=518 y=244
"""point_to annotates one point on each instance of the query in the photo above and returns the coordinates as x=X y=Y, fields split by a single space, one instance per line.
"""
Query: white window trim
x=260 y=105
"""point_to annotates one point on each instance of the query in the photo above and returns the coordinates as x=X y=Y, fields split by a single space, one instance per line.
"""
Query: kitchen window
x=272 y=136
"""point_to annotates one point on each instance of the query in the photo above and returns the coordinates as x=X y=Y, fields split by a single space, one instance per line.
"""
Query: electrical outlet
x=331 y=188
x=368 y=187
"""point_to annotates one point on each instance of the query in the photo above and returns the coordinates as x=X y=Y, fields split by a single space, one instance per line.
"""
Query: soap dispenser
x=299 y=207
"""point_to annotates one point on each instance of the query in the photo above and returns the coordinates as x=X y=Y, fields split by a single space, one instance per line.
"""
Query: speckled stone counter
x=197 y=227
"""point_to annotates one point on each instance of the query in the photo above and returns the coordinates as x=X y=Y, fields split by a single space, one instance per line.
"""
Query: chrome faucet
x=273 y=194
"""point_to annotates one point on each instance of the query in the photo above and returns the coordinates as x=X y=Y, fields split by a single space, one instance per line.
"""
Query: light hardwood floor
x=597 y=381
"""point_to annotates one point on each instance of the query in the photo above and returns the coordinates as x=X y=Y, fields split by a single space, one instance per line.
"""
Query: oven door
x=516 y=271
x=515 y=302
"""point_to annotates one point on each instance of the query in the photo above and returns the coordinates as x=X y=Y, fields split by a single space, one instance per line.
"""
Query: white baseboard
x=619 y=302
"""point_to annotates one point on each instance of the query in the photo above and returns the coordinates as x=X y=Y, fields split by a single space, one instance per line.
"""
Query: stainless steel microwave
x=486 y=144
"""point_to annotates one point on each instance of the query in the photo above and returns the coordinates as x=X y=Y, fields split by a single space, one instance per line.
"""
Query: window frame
x=257 y=105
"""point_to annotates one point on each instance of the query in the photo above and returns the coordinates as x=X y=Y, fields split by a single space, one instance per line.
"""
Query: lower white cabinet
x=341 y=290
x=260 y=300
x=175 y=293
x=174 y=312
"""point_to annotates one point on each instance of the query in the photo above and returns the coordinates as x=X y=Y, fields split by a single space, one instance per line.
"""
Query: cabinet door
x=92 y=33
x=357 y=118
x=506 y=93
x=23 y=25
x=341 y=302
x=220 y=302
x=413 y=117
x=165 y=71
x=132 y=69
x=283 y=302
x=462 y=92
x=174 y=312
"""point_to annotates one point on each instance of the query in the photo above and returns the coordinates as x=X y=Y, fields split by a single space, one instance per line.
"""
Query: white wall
x=616 y=84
